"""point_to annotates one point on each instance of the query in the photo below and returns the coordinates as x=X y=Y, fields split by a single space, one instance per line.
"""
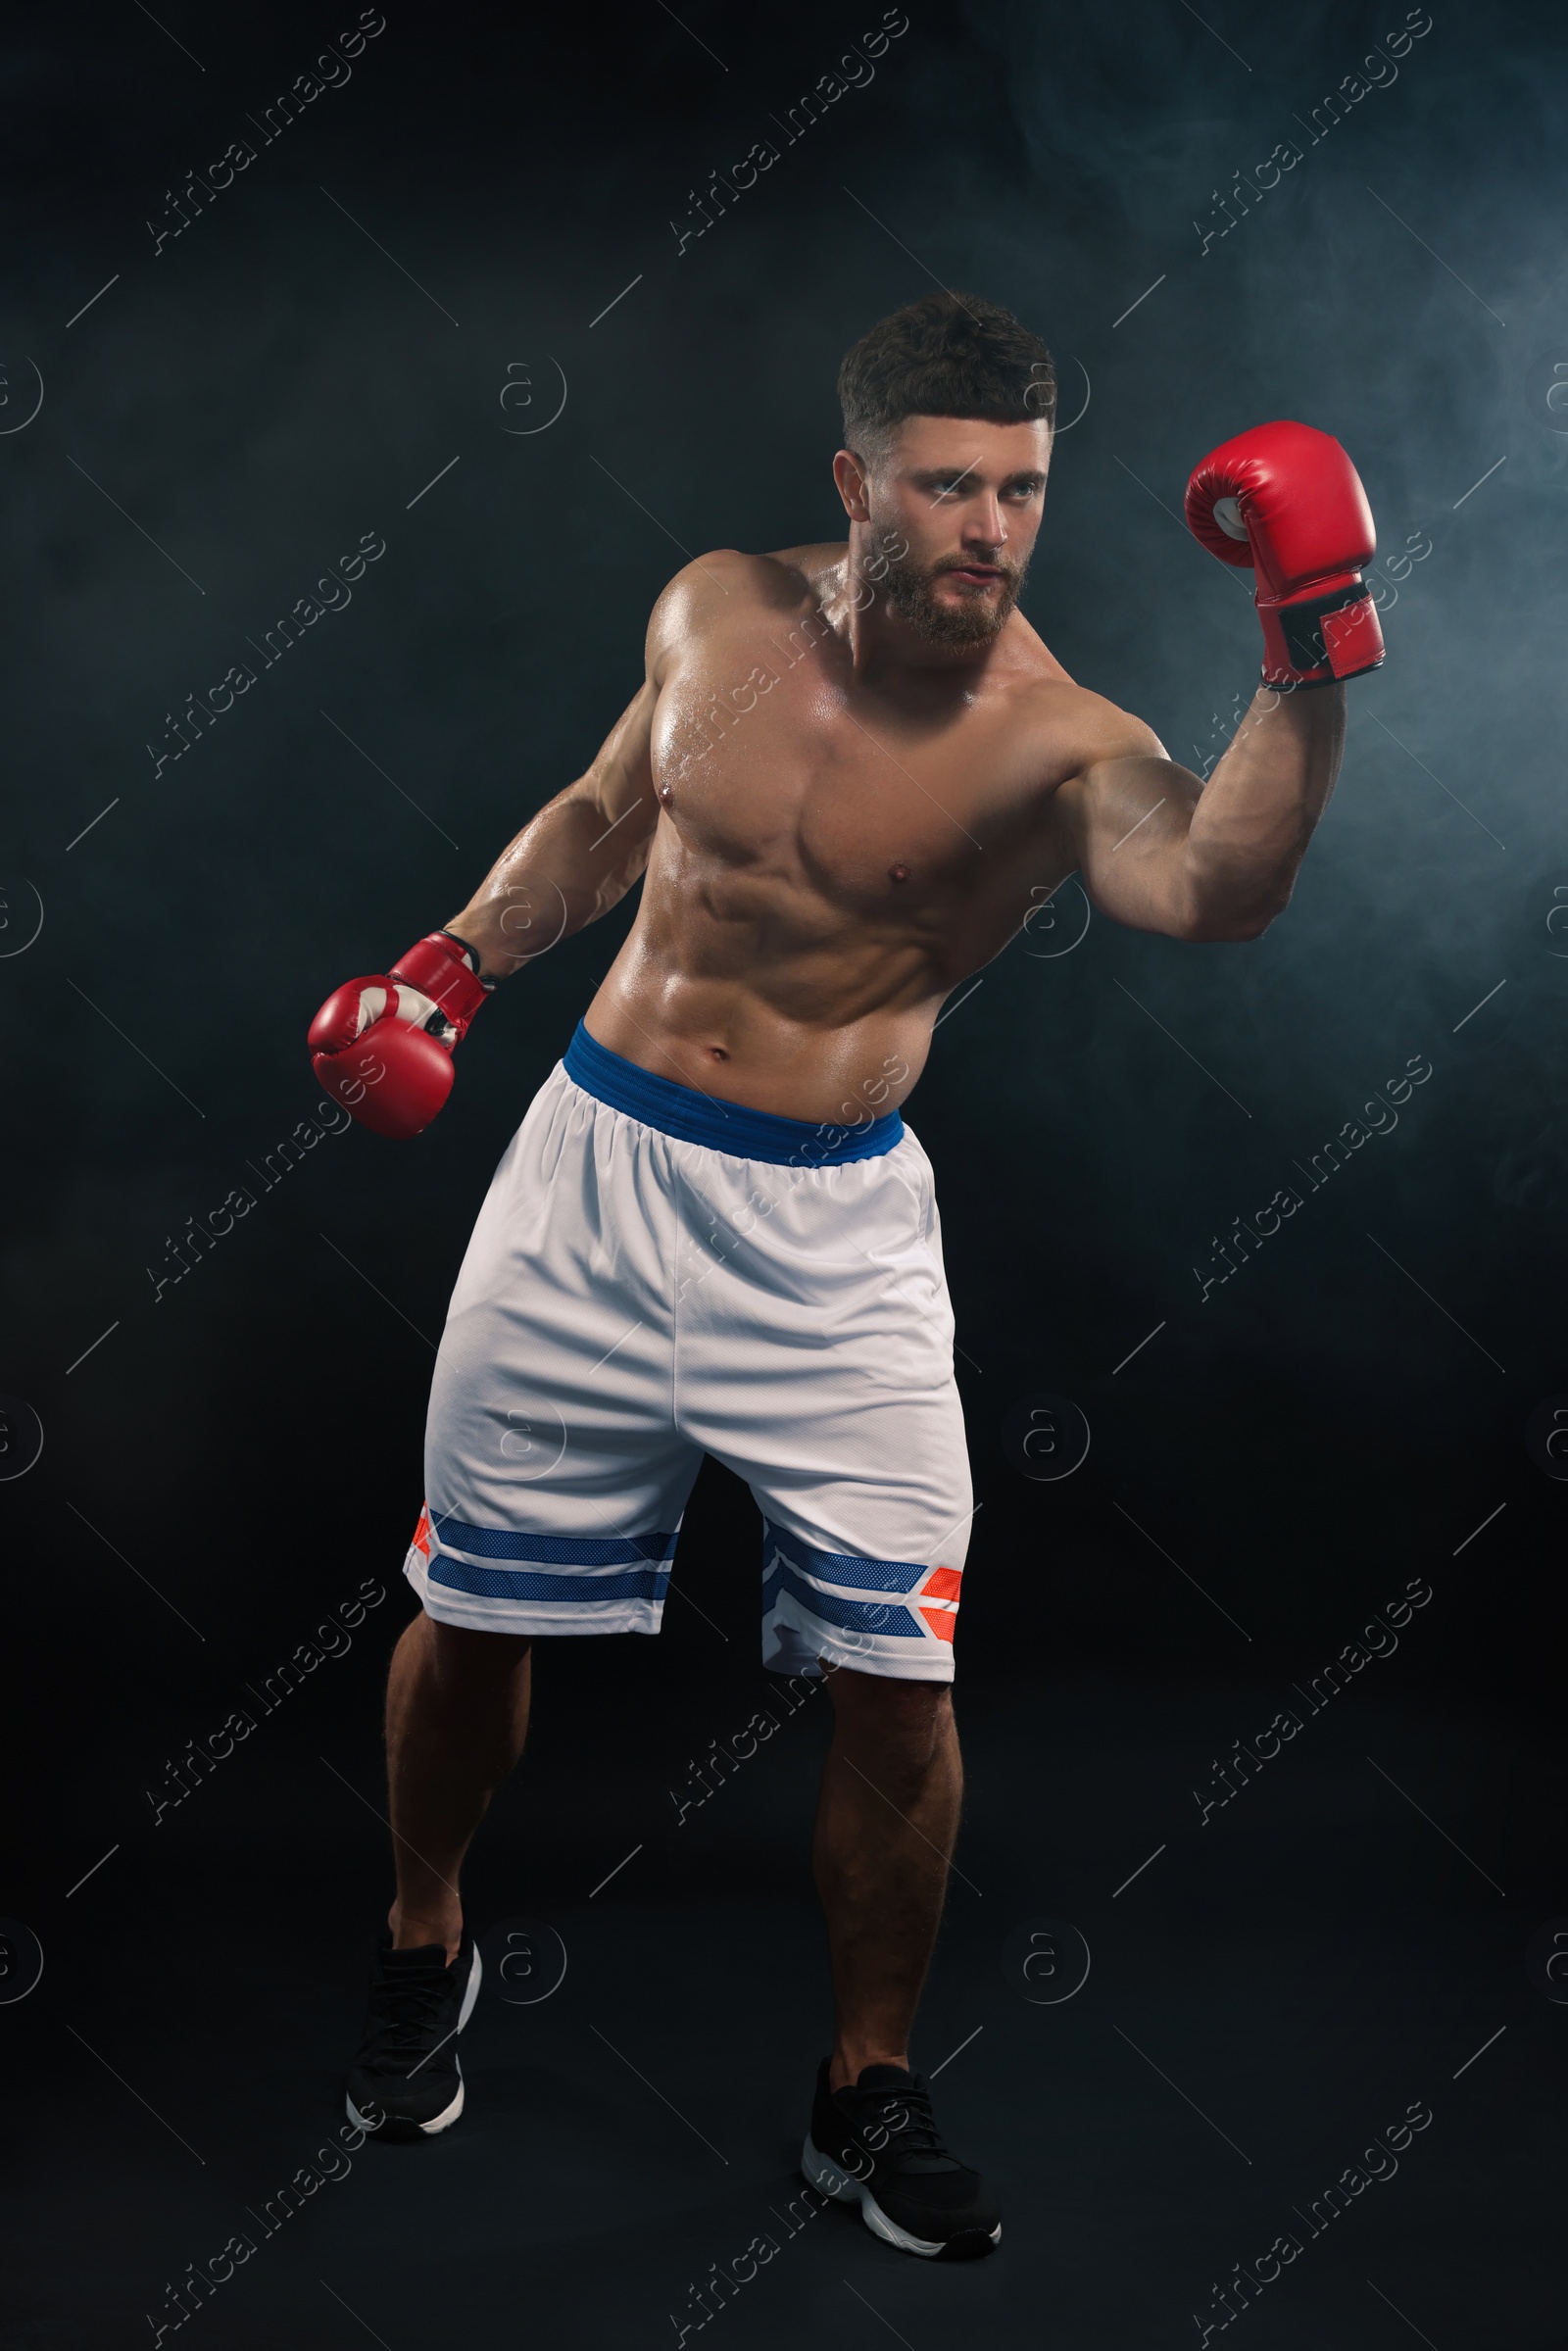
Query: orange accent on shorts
x=941 y=1621
x=942 y=1584
x=422 y=1533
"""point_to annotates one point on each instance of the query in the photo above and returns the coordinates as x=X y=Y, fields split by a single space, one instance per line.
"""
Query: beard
x=978 y=619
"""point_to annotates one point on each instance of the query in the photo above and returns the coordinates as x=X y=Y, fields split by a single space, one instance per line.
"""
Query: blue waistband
x=731 y=1127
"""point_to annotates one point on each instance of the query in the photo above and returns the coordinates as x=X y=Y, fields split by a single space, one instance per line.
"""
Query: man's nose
x=983 y=525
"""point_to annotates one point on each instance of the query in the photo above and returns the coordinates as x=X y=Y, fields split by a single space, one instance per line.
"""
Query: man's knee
x=910 y=1718
x=463 y=1657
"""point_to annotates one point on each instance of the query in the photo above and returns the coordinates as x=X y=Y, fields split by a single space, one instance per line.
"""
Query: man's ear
x=853 y=485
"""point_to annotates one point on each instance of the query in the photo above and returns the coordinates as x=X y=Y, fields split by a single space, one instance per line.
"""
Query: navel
x=899 y=873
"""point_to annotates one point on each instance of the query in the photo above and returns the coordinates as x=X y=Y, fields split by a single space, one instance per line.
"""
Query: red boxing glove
x=382 y=1046
x=1287 y=500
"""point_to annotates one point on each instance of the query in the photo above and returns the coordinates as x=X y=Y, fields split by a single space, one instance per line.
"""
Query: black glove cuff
x=1302 y=625
x=1295 y=685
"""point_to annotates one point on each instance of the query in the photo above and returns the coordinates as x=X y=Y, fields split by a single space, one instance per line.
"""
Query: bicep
x=1128 y=819
x=622 y=774
x=619 y=782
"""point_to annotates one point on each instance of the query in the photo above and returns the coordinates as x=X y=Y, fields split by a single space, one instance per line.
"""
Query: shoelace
x=906 y=2119
x=404 y=2011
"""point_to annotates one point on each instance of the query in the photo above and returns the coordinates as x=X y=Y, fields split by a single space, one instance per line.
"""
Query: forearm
x=1251 y=827
x=568 y=866
x=385 y=1050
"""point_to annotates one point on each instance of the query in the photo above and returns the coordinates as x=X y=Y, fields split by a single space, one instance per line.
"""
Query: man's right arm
x=382 y=1045
x=584 y=849
x=573 y=860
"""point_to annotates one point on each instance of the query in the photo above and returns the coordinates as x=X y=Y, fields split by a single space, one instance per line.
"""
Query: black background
x=225 y=1461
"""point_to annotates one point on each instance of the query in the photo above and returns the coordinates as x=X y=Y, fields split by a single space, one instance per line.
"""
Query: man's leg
x=885 y=1827
x=457 y=1709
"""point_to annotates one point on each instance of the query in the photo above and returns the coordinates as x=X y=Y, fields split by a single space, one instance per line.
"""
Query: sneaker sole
x=831 y=2180
x=399 y=2126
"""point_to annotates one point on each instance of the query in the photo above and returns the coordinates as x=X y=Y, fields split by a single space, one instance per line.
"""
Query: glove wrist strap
x=1318 y=640
x=438 y=967
x=470 y=954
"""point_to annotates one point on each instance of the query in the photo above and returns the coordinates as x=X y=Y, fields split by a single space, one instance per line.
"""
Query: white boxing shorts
x=656 y=1274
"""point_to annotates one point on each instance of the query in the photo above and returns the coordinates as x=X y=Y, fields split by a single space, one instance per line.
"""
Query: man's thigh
x=556 y=1478
x=814 y=1358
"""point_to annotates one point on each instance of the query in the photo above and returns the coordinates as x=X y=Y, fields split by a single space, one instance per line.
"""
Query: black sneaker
x=877 y=2144
x=405 y=2083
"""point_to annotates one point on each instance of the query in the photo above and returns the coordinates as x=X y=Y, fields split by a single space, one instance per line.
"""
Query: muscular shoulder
x=716 y=590
x=807 y=571
x=1077 y=727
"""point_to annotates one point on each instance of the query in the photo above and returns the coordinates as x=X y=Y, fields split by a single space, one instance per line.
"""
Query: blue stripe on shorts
x=796 y=1567
x=591 y=1555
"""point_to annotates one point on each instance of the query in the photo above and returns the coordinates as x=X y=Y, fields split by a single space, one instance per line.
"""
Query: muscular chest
x=772 y=767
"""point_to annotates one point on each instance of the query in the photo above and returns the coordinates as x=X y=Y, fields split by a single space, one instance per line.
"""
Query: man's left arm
x=1161 y=851
x=1156 y=847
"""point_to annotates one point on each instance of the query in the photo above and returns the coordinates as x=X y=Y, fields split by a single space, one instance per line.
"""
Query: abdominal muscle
x=753 y=996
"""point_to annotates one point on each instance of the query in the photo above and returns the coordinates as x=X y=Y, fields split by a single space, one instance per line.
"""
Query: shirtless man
x=851 y=774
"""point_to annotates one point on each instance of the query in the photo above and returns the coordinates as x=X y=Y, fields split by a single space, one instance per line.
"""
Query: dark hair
x=947 y=355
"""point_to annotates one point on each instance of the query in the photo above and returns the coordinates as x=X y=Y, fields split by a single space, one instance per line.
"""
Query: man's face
x=966 y=496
